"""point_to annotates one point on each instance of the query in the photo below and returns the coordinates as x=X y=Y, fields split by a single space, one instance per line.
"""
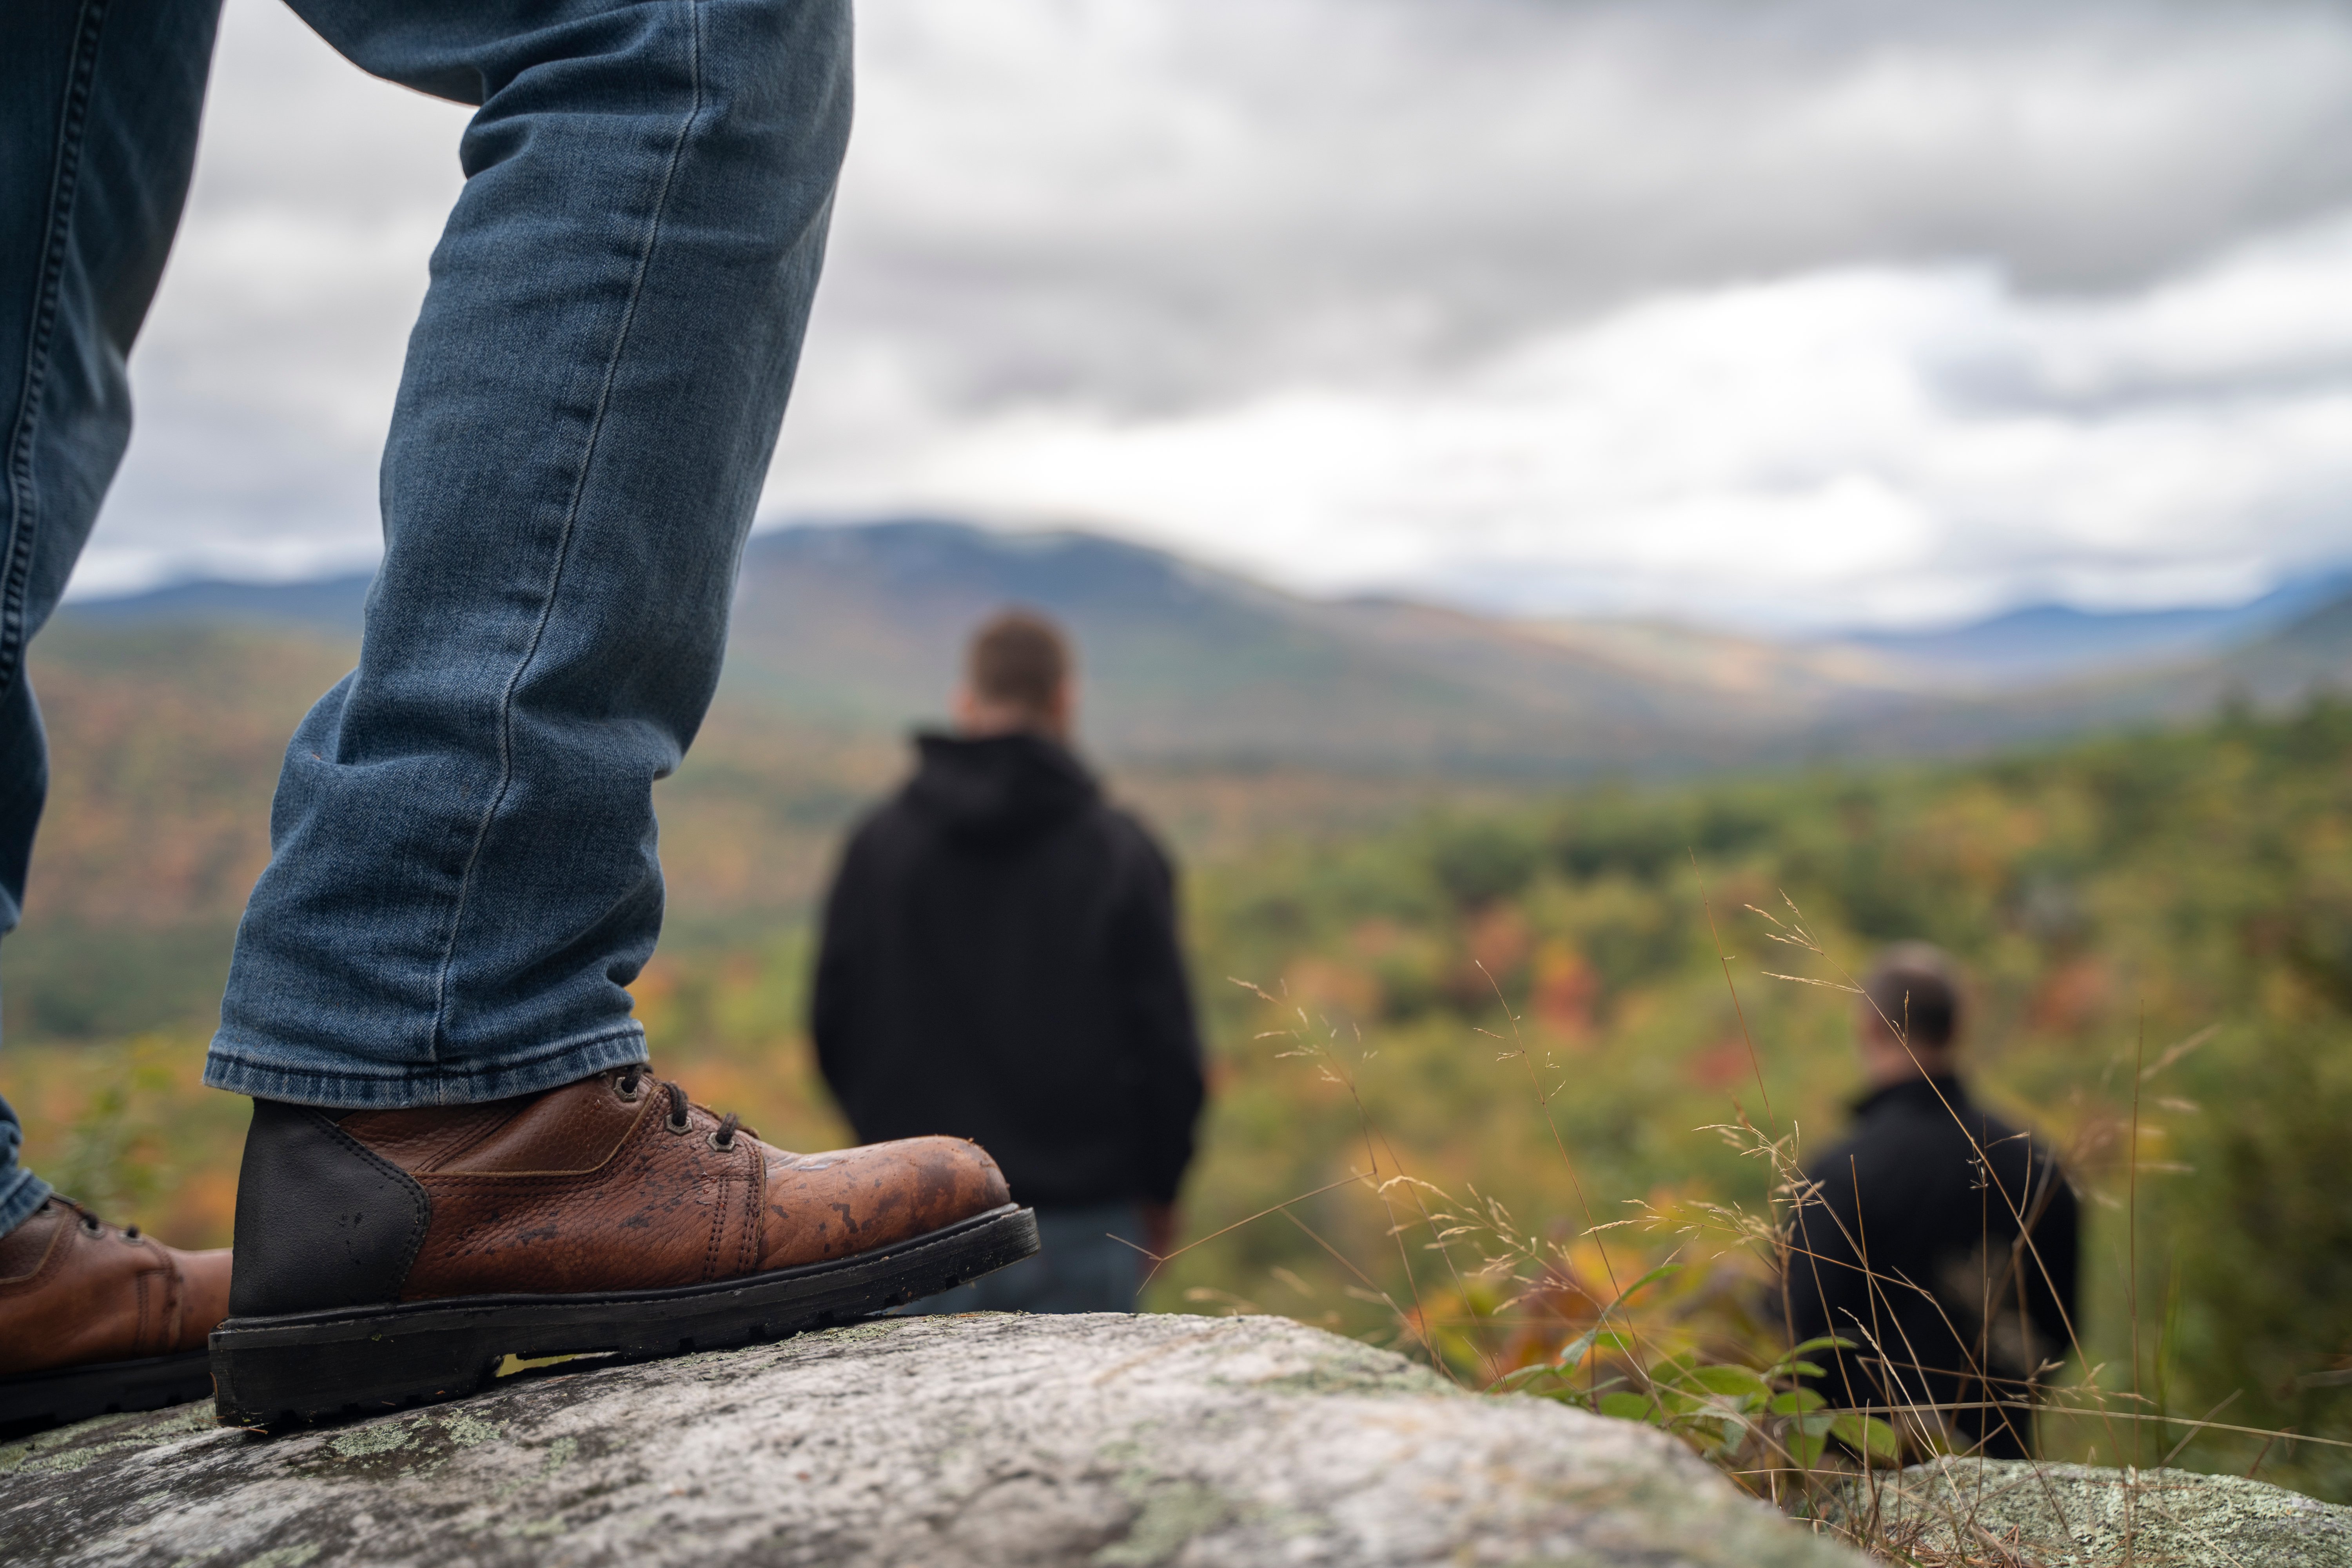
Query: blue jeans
x=1080 y=1266
x=463 y=876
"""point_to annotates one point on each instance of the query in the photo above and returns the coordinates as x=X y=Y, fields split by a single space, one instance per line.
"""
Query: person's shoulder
x=1126 y=821
x=894 y=821
x=2012 y=1144
x=1878 y=1149
x=1838 y=1156
x=1127 y=832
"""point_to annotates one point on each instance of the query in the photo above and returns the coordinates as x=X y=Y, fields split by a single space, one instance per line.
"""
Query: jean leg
x=98 y=106
x=463 y=877
x=1081 y=1265
x=24 y=781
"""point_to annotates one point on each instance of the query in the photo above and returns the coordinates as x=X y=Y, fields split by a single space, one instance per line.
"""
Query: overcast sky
x=1792 y=312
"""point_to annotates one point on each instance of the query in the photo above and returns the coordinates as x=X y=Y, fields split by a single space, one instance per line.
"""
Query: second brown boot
x=95 y=1317
x=395 y=1257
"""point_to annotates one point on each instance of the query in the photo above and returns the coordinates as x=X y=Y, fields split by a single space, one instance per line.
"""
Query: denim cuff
x=258 y=1071
x=21 y=1192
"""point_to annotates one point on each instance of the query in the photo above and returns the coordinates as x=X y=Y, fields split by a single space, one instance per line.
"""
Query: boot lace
x=89 y=1221
x=631 y=1082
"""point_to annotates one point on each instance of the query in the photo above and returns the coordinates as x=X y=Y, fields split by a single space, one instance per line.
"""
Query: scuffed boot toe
x=836 y=1204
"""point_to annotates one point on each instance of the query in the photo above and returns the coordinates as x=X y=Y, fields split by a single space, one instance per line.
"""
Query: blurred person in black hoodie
x=999 y=962
x=1968 y=1226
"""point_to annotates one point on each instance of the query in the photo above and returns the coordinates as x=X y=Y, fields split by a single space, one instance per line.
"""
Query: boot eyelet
x=679 y=1128
x=718 y=1147
x=91 y=1224
x=628 y=1093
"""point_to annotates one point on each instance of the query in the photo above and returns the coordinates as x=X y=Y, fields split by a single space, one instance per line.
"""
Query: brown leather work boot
x=94 y=1319
x=395 y=1257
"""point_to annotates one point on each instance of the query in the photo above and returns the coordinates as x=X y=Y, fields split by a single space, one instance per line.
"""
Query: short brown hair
x=1019 y=659
x=1913 y=987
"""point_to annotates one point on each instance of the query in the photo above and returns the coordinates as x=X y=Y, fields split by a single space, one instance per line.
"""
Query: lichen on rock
x=2076 y=1516
x=1122 y=1442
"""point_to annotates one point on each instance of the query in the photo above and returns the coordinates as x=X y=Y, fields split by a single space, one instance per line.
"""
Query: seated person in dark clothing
x=999 y=962
x=1968 y=1227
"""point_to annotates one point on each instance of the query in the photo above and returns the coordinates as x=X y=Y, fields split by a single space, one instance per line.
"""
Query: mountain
x=864 y=624
x=856 y=629
x=2309 y=655
x=2043 y=644
x=328 y=606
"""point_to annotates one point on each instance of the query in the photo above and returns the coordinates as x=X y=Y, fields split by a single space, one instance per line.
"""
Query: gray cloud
x=1326 y=288
x=1146 y=204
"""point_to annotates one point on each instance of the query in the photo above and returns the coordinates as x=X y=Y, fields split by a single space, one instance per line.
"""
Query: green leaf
x=1627 y=1406
x=1874 y=1438
x=1677 y=1403
x=1805 y=1448
x=1796 y=1402
x=1795 y=1362
x=1673 y=1368
x=1823 y=1343
x=1731 y=1382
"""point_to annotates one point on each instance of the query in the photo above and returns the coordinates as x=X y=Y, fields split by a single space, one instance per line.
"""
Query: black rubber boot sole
x=32 y=1401
x=312 y=1366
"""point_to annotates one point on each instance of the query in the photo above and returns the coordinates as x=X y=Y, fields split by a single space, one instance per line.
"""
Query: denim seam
x=21 y=1198
x=65 y=180
x=631 y=1030
x=343 y=1088
x=570 y=522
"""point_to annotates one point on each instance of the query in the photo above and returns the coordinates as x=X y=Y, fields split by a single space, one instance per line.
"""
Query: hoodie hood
x=1929 y=1094
x=999 y=789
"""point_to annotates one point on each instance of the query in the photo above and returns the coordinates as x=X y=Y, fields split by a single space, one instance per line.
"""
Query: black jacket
x=1909 y=1190
x=999 y=962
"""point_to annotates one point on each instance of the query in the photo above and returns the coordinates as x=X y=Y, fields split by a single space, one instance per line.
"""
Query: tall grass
x=1665 y=1314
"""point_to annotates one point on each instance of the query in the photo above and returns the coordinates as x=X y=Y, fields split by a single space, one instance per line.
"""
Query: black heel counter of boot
x=321 y=1221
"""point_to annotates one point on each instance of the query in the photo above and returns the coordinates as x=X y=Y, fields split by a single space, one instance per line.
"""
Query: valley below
x=1513 y=925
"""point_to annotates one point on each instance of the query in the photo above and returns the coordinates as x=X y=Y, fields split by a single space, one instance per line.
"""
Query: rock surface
x=979 y=1440
x=2072 y=1516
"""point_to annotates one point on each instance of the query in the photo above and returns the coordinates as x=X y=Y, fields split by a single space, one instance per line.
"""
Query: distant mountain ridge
x=860 y=628
x=2037 y=644
x=866 y=624
x=331 y=606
